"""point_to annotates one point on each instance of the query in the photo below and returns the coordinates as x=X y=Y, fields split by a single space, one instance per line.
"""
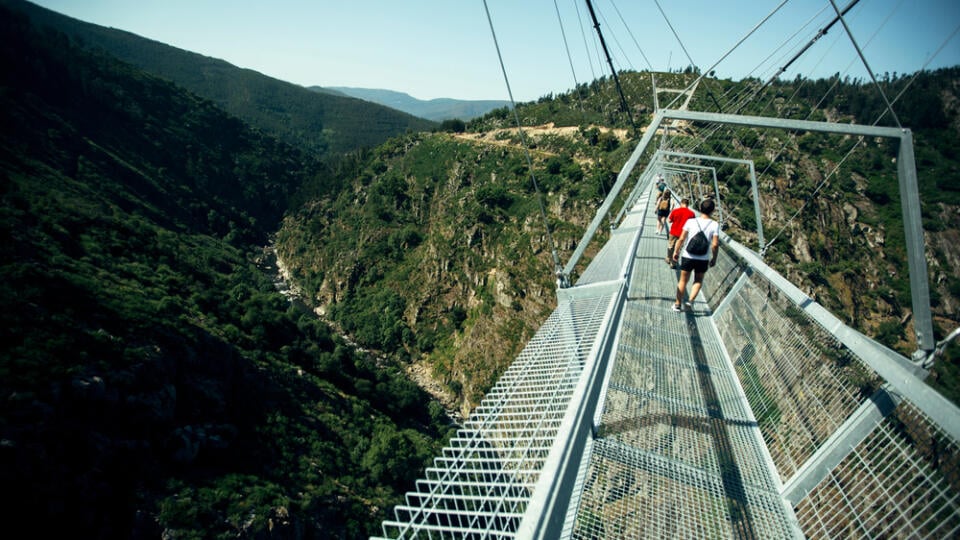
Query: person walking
x=661 y=183
x=676 y=219
x=663 y=210
x=696 y=250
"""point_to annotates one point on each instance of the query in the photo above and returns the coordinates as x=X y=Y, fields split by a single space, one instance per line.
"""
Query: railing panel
x=800 y=383
x=482 y=484
x=899 y=478
x=902 y=481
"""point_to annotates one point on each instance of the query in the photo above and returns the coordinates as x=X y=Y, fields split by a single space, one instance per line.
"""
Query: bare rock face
x=850 y=213
x=943 y=258
x=801 y=250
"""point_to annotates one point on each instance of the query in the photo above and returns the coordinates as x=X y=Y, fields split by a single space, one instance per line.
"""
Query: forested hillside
x=316 y=122
x=436 y=253
x=154 y=383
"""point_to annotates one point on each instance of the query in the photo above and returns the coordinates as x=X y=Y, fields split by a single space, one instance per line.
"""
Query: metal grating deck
x=677 y=452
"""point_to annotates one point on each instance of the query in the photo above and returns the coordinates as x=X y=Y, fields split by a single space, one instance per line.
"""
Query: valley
x=157 y=379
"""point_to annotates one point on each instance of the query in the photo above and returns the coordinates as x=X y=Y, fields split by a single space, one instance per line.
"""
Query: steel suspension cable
x=829 y=90
x=613 y=70
x=589 y=54
x=823 y=98
x=860 y=140
x=923 y=67
x=603 y=184
x=782 y=45
x=557 y=267
x=823 y=31
x=622 y=20
x=677 y=36
x=748 y=96
x=566 y=46
x=620 y=46
x=761 y=174
x=865 y=64
x=583 y=34
x=725 y=55
x=616 y=41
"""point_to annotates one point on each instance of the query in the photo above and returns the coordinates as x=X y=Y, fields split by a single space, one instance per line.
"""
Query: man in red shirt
x=677 y=218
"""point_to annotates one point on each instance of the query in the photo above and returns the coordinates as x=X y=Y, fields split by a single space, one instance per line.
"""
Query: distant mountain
x=320 y=122
x=434 y=109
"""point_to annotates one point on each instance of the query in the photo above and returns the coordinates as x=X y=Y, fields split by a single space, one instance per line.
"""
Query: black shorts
x=663 y=213
x=694 y=265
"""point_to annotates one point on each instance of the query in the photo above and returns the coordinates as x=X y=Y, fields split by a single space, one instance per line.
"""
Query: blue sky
x=445 y=48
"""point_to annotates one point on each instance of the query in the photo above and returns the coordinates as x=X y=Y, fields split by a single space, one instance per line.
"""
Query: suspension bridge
x=755 y=414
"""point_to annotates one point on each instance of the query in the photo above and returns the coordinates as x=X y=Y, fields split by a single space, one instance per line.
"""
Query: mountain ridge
x=437 y=109
x=324 y=123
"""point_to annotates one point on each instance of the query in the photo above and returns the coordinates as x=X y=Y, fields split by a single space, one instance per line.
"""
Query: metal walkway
x=757 y=414
x=678 y=452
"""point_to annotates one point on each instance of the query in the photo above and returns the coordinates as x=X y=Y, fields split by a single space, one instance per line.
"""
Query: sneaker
x=676 y=307
x=688 y=304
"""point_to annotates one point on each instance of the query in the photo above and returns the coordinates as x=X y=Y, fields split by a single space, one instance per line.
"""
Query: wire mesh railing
x=893 y=474
x=482 y=484
x=801 y=384
x=901 y=481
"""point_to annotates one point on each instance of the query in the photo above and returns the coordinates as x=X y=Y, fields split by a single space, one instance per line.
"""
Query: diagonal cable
x=558 y=269
x=865 y=64
x=854 y=147
x=622 y=20
x=566 y=46
x=823 y=31
x=726 y=54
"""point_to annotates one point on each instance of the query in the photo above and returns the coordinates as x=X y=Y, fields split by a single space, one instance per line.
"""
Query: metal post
x=653 y=84
x=756 y=208
x=716 y=189
x=916 y=258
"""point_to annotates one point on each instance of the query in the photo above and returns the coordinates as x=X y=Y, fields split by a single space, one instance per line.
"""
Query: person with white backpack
x=696 y=250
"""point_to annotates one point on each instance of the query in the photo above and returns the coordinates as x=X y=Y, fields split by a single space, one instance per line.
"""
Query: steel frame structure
x=688 y=168
x=906 y=175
